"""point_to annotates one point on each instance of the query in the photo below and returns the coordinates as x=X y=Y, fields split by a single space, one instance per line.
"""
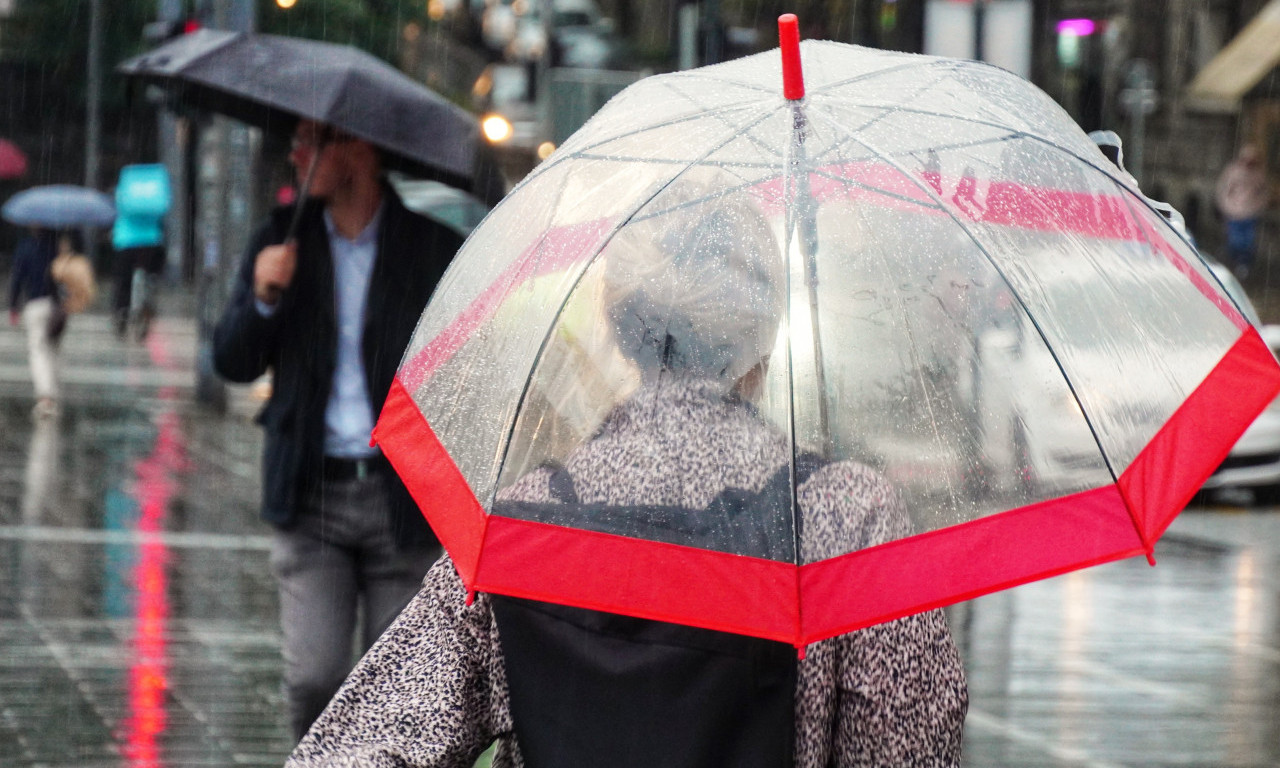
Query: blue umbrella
x=59 y=206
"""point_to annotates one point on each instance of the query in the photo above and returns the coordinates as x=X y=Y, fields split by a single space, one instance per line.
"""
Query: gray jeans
x=337 y=562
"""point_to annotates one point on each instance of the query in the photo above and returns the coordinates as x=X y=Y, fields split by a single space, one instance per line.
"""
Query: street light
x=286 y=4
x=497 y=128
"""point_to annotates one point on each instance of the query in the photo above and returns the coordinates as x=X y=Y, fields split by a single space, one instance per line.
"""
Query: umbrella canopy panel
x=13 y=162
x=924 y=270
x=271 y=80
x=59 y=206
x=947 y=247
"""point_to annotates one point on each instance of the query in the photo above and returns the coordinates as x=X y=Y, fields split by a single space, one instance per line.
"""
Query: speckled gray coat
x=433 y=692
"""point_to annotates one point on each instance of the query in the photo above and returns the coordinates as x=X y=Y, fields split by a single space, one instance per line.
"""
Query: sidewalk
x=138 y=621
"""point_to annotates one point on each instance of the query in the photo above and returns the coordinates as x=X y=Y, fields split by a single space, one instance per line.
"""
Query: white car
x=441 y=203
x=1030 y=434
x=1254 y=461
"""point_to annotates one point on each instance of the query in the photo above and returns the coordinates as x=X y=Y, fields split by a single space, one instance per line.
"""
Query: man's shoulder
x=413 y=227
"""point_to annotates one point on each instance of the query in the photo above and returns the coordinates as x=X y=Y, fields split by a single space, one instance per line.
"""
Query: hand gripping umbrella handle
x=274 y=292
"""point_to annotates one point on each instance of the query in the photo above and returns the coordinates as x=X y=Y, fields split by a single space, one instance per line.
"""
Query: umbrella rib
x=156 y=78
x=884 y=111
x=718 y=113
x=702 y=75
x=887 y=110
x=627 y=134
x=636 y=217
x=1105 y=168
x=635 y=160
x=945 y=115
x=1035 y=323
x=1013 y=134
x=877 y=190
x=577 y=280
x=949 y=66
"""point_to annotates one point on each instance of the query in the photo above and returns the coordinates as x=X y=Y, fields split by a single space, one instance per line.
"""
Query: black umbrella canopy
x=270 y=81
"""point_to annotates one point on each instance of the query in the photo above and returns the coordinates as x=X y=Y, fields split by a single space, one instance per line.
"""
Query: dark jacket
x=31 y=278
x=299 y=344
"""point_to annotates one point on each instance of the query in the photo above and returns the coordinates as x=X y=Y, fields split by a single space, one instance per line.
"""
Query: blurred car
x=1029 y=431
x=1030 y=437
x=582 y=37
x=1254 y=461
x=504 y=95
x=1032 y=443
x=499 y=22
x=442 y=203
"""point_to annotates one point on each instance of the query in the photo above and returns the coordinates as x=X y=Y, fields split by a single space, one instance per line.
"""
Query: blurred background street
x=138 y=618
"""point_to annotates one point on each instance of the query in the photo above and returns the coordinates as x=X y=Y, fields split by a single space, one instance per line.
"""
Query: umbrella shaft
x=275 y=291
x=806 y=229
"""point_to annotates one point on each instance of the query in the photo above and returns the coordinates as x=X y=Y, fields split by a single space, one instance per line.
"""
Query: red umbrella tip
x=789 y=43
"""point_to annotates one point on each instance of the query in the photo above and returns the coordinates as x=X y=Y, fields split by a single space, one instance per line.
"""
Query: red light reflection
x=148 y=670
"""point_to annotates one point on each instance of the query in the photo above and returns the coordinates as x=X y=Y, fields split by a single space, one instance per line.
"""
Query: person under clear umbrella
x=329 y=311
x=33 y=295
x=695 y=307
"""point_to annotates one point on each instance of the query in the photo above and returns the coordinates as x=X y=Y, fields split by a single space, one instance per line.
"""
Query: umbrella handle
x=274 y=292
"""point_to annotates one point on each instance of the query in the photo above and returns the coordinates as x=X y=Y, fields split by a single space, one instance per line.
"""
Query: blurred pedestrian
x=73 y=275
x=142 y=199
x=33 y=295
x=696 y=311
x=1242 y=197
x=329 y=313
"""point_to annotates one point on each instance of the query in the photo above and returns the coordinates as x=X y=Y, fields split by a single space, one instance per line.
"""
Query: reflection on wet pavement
x=1128 y=665
x=138 y=616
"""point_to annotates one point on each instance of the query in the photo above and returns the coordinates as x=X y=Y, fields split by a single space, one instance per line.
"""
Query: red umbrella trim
x=1199 y=435
x=760 y=597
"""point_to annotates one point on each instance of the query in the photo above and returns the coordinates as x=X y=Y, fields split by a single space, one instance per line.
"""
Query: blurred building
x=1184 y=82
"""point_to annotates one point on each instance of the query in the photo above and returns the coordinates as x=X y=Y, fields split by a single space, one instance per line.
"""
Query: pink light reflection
x=148 y=670
x=1077 y=27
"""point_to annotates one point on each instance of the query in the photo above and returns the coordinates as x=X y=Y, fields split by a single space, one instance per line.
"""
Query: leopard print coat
x=432 y=691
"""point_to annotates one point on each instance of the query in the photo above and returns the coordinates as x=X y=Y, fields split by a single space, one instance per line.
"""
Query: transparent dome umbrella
x=913 y=267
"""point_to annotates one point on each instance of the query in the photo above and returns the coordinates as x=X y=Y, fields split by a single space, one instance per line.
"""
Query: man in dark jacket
x=330 y=314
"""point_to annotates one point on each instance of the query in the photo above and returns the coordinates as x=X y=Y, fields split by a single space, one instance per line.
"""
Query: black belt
x=336 y=468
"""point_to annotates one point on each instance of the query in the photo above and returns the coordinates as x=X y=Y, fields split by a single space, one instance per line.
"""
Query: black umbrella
x=270 y=81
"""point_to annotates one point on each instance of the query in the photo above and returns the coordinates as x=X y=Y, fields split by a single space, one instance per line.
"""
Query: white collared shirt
x=348 y=416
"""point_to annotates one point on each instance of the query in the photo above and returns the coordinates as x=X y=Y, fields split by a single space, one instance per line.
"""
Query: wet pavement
x=138 y=617
x=137 y=614
x=1129 y=665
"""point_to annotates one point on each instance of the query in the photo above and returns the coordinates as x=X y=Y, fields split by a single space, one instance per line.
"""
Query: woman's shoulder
x=847 y=506
x=534 y=486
